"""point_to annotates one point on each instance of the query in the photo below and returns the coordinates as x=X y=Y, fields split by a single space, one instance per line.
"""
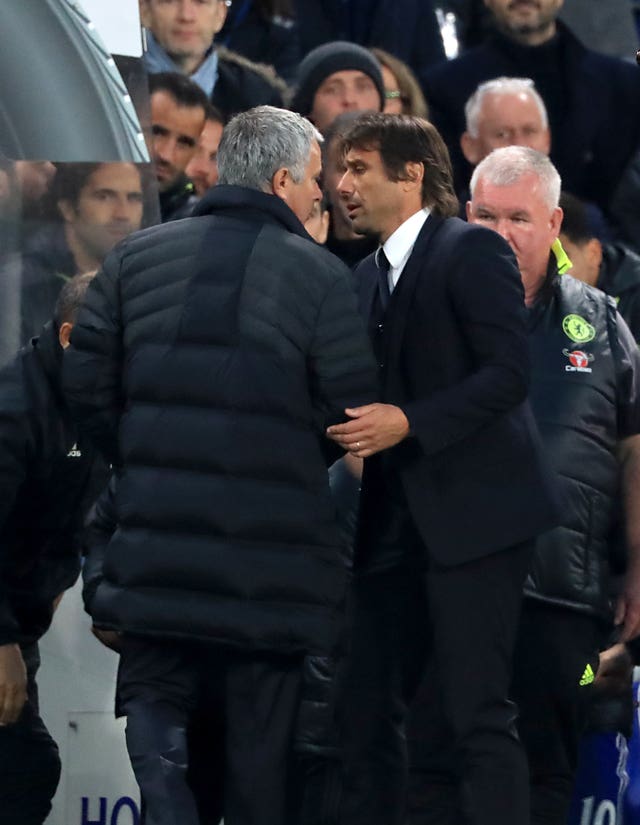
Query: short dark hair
x=184 y=91
x=71 y=297
x=339 y=126
x=575 y=221
x=403 y=139
x=69 y=180
x=335 y=134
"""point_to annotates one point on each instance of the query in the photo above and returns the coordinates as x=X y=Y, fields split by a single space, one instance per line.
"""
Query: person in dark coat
x=207 y=362
x=407 y=29
x=445 y=534
x=49 y=476
x=179 y=109
x=264 y=31
x=584 y=92
x=180 y=38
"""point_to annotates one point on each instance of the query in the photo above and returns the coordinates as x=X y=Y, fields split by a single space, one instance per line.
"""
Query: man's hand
x=615 y=671
x=13 y=684
x=628 y=606
x=109 y=638
x=373 y=428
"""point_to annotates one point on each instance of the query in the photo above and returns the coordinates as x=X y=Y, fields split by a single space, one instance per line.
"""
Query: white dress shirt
x=399 y=246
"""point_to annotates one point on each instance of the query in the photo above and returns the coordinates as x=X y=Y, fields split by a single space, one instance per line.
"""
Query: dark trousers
x=463 y=619
x=29 y=761
x=251 y=699
x=553 y=648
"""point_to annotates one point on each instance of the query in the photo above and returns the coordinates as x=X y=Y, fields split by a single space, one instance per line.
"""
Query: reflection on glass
x=71 y=104
x=91 y=208
x=58 y=221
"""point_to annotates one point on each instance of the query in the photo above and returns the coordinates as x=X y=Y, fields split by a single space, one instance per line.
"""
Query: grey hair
x=258 y=142
x=501 y=86
x=505 y=166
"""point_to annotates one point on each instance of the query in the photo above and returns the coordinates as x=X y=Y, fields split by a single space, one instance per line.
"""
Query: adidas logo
x=74 y=452
x=587 y=677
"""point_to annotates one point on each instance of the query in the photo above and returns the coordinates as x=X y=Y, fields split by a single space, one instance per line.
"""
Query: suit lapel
x=398 y=309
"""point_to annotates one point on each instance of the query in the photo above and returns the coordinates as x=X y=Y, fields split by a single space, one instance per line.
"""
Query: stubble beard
x=524 y=31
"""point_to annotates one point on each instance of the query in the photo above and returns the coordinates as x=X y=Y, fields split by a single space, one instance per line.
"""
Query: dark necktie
x=383 y=277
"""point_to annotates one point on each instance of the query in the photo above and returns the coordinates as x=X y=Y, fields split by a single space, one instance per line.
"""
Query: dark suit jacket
x=457 y=362
x=407 y=29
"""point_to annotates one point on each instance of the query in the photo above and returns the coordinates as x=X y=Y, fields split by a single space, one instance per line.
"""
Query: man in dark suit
x=453 y=490
x=584 y=93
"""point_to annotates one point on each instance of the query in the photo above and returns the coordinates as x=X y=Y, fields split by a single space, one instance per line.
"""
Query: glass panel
x=65 y=99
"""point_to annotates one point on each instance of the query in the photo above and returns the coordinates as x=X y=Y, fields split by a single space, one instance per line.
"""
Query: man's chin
x=165 y=184
x=362 y=230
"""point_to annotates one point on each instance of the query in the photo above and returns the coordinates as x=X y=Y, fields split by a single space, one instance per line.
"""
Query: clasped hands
x=372 y=428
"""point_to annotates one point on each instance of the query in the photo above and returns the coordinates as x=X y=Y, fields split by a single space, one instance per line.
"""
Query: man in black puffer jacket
x=208 y=360
x=48 y=479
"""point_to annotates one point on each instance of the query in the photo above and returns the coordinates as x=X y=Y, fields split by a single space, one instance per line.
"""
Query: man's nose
x=503 y=228
x=186 y=10
x=164 y=149
x=344 y=184
x=122 y=209
x=350 y=99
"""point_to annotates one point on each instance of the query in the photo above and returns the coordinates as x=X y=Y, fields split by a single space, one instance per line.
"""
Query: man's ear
x=556 y=221
x=468 y=211
x=64 y=334
x=280 y=183
x=145 y=14
x=414 y=173
x=66 y=209
x=221 y=16
x=594 y=253
x=469 y=146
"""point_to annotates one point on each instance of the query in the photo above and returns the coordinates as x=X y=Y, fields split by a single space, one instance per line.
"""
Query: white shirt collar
x=399 y=246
